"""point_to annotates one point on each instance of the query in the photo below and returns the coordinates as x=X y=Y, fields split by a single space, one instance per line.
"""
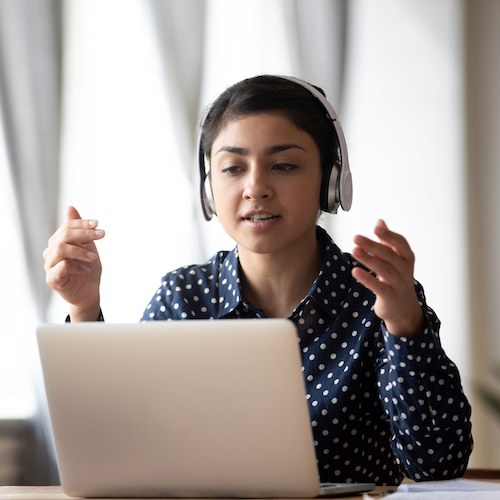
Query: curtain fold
x=179 y=27
x=319 y=35
x=30 y=75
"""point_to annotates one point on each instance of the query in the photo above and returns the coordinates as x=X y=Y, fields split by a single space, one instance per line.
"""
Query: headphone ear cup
x=207 y=199
x=206 y=196
x=330 y=190
x=209 y=195
x=345 y=189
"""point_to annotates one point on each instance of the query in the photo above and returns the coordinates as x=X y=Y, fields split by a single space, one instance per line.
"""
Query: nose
x=257 y=185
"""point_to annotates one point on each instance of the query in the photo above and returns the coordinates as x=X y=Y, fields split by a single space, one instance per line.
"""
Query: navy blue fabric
x=380 y=405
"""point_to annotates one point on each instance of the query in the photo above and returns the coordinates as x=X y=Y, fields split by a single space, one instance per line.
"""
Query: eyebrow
x=268 y=152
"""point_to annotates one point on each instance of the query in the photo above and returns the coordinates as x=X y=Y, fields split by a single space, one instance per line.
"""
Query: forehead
x=262 y=128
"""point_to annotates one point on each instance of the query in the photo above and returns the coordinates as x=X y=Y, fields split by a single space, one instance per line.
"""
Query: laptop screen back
x=180 y=409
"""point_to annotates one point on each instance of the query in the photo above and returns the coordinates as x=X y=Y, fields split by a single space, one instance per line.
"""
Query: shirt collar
x=229 y=284
x=328 y=290
x=334 y=278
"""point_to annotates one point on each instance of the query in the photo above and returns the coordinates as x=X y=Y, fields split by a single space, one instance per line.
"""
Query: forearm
x=429 y=415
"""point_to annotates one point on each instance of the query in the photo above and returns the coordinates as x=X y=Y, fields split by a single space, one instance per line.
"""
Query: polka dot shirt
x=380 y=406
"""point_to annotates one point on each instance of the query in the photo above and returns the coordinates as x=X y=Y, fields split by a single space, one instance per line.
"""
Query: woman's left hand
x=392 y=260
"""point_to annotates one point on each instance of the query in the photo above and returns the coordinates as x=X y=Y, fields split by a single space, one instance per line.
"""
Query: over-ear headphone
x=336 y=186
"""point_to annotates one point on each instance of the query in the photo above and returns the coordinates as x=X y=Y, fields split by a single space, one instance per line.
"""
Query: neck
x=276 y=283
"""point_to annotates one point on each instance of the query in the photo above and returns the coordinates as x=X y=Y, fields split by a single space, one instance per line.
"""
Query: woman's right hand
x=72 y=265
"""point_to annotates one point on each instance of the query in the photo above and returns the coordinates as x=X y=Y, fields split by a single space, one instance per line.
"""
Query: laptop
x=200 y=408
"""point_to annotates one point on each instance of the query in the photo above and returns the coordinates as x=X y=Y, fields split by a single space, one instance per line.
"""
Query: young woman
x=384 y=398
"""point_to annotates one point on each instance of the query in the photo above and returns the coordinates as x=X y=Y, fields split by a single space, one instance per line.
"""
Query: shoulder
x=335 y=259
x=196 y=275
x=189 y=291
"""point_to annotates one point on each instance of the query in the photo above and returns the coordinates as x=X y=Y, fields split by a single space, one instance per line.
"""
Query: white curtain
x=180 y=35
x=321 y=45
x=30 y=69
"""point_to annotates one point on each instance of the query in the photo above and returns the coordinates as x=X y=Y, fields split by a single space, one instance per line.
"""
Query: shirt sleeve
x=100 y=318
x=423 y=399
x=190 y=292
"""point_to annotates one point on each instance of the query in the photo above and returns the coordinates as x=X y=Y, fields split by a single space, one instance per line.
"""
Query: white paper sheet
x=454 y=489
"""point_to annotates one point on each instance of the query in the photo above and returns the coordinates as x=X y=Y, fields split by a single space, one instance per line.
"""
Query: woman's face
x=266 y=179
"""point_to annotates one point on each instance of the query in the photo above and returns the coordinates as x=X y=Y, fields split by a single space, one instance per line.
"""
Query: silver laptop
x=196 y=408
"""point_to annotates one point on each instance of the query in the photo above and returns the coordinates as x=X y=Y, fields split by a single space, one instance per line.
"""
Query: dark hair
x=273 y=95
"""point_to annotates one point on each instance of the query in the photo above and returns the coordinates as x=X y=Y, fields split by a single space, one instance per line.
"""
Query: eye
x=231 y=170
x=284 y=167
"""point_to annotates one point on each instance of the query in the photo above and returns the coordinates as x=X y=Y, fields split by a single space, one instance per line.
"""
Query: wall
x=482 y=27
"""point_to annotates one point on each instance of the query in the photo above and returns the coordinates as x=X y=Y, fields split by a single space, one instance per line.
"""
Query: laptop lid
x=197 y=408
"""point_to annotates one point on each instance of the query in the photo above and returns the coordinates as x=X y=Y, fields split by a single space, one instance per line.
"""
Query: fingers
x=60 y=251
x=393 y=240
x=72 y=213
x=58 y=276
x=77 y=230
x=389 y=242
x=392 y=261
x=72 y=265
x=74 y=240
x=390 y=257
x=376 y=285
x=383 y=261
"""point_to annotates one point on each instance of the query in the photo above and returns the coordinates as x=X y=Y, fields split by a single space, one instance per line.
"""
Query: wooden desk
x=55 y=493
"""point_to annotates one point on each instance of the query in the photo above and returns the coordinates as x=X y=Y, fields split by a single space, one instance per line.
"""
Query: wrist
x=79 y=314
x=409 y=327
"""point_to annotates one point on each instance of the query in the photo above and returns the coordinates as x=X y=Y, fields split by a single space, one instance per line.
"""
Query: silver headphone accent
x=206 y=196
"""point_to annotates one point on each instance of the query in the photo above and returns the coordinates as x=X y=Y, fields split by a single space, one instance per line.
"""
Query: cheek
x=223 y=193
x=308 y=193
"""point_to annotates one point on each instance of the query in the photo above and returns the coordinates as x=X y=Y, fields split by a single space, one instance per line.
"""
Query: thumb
x=381 y=223
x=72 y=213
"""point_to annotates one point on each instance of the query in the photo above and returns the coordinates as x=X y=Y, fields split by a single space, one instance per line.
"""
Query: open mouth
x=261 y=217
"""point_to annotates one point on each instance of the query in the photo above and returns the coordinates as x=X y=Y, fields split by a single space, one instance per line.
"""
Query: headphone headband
x=336 y=188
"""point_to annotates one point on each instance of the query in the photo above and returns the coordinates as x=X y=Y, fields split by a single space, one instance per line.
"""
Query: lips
x=257 y=215
x=260 y=217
